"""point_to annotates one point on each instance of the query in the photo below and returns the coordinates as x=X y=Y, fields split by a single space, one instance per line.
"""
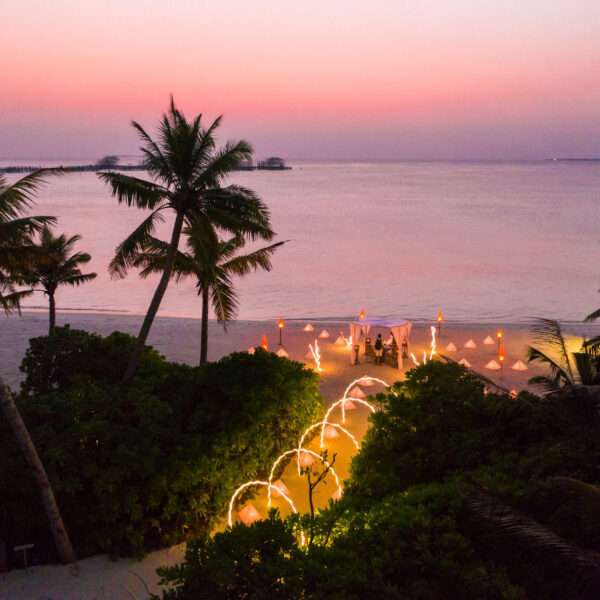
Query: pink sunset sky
x=329 y=79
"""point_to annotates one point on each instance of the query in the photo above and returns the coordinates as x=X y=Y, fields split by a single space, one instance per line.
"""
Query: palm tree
x=56 y=266
x=62 y=542
x=15 y=233
x=212 y=262
x=574 y=373
x=188 y=174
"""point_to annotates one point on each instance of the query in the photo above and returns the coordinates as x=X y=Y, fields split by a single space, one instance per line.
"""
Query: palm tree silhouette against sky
x=187 y=181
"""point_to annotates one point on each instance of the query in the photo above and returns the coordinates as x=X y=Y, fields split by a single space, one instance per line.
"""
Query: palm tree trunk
x=204 y=338
x=64 y=548
x=52 y=311
x=156 y=300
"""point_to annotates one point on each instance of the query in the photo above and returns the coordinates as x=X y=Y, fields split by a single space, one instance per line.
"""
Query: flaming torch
x=499 y=336
x=501 y=357
x=265 y=346
x=439 y=323
x=280 y=328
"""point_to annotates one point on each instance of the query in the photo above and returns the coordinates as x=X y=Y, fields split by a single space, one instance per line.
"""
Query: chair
x=392 y=354
x=369 y=351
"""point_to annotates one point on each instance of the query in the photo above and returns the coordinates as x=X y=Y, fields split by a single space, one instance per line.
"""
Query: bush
x=138 y=467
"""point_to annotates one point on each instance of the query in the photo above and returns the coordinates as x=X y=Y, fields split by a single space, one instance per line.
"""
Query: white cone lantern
x=465 y=363
x=471 y=345
x=492 y=365
x=305 y=459
x=340 y=341
x=451 y=347
x=520 y=366
x=279 y=489
x=251 y=350
x=489 y=340
x=331 y=432
x=282 y=353
x=324 y=334
x=308 y=327
x=366 y=381
x=349 y=405
x=249 y=515
x=356 y=392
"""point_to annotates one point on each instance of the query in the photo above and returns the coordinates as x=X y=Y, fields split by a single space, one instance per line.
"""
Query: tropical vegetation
x=455 y=493
x=187 y=174
x=16 y=231
x=54 y=265
x=212 y=262
x=142 y=466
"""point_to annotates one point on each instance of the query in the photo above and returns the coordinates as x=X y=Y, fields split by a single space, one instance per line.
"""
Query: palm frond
x=134 y=191
x=76 y=280
x=132 y=245
x=259 y=259
x=224 y=299
x=11 y=300
x=592 y=316
x=223 y=163
x=556 y=371
x=18 y=196
x=549 y=332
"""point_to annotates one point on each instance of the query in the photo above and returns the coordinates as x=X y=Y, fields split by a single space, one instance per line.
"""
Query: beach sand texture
x=178 y=339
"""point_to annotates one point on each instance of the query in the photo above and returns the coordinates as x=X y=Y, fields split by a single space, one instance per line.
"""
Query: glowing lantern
x=362 y=315
x=340 y=341
x=356 y=392
x=251 y=350
x=348 y=405
x=451 y=347
x=265 y=346
x=492 y=365
x=249 y=515
x=280 y=325
x=308 y=327
x=304 y=459
x=282 y=353
x=513 y=393
x=499 y=335
x=331 y=432
x=279 y=489
x=465 y=363
x=519 y=366
x=366 y=381
x=488 y=340
x=439 y=318
x=324 y=334
x=471 y=345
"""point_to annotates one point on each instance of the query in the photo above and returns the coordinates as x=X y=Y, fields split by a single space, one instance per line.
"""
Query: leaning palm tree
x=62 y=542
x=213 y=263
x=16 y=230
x=570 y=372
x=188 y=176
x=55 y=265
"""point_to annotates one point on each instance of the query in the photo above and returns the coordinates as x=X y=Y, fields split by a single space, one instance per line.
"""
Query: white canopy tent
x=400 y=329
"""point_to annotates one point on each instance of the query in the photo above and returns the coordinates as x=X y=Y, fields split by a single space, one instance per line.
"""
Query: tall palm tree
x=213 y=263
x=16 y=230
x=62 y=542
x=187 y=174
x=56 y=266
x=574 y=373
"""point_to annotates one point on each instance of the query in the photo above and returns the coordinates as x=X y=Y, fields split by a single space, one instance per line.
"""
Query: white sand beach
x=178 y=339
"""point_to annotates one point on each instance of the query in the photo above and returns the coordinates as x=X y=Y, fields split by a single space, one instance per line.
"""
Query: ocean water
x=477 y=241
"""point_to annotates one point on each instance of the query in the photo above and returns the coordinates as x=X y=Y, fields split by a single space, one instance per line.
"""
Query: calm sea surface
x=478 y=241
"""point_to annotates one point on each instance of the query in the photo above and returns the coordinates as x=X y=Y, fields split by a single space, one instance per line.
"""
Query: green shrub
x=139 y=467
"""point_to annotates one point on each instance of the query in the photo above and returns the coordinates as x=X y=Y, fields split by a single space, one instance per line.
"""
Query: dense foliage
x=137 y=467
x=455 y=494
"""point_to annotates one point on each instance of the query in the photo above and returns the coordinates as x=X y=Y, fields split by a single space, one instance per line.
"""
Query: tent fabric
x=400 y=329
